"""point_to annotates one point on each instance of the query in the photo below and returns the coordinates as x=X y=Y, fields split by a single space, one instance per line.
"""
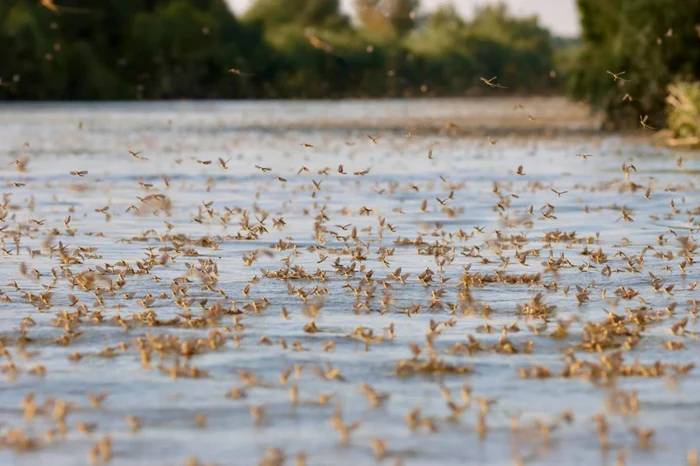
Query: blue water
x=58 y=139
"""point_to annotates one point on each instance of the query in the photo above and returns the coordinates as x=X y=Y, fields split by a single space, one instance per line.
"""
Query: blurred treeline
x=655 y=42
x=159 y=49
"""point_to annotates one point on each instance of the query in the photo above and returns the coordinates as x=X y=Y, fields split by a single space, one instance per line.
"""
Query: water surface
x=463 y=214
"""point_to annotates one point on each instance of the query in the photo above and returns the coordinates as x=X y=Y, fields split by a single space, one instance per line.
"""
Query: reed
x=683 y=111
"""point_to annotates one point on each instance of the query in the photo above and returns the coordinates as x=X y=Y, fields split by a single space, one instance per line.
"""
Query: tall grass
x=683 y=111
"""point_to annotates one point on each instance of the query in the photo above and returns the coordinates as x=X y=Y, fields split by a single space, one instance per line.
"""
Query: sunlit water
x=176 y=138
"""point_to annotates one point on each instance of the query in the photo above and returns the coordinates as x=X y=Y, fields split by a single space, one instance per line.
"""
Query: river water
x=167 y=279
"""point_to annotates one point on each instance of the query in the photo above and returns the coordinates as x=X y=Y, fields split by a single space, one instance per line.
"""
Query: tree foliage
x=652 y=41
x=275 y=13
x=160 y=49
x=390 y=19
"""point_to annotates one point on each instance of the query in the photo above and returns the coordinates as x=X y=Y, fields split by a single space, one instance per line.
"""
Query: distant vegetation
x=160 y=49
x=166 y=49
x=654 y=42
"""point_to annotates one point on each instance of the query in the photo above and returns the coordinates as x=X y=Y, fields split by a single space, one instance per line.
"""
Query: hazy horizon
x=560 y=16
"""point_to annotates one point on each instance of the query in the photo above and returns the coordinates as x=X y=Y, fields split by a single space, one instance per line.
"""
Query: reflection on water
x=109 y=277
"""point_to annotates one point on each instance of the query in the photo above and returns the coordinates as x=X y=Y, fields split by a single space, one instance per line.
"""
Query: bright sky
x=560 y=16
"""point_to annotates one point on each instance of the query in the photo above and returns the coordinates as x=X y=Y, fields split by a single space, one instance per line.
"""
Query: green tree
x=155 y=49
x=651 y=41
x=126 y=49
x=388 y=18
x=302 y=13
x=493 y=43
